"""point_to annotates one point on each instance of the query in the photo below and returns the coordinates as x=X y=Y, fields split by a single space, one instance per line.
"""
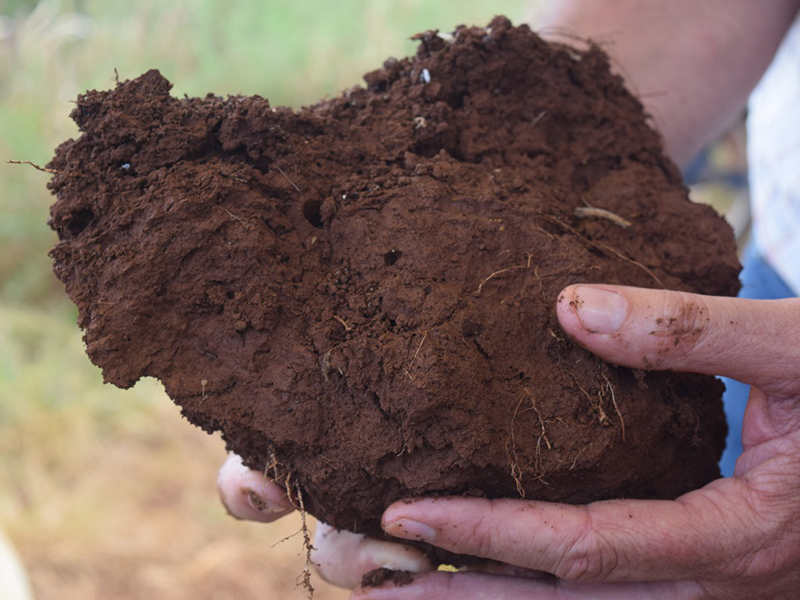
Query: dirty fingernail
x=403 y=559
x=411 y=530
x=261 y=504
x=599 y=310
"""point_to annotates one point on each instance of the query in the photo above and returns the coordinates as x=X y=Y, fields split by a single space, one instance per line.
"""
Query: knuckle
x=587 y=558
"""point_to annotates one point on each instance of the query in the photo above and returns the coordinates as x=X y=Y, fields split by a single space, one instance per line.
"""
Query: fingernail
x=411 y=530
x=599 y=310
x=403 y=559
x=261 y=504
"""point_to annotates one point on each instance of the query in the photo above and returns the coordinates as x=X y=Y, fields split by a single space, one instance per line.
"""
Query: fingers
x=622 y=540
x=754 y=341
x=250 y=495
x=342 y=557
x=472 y=586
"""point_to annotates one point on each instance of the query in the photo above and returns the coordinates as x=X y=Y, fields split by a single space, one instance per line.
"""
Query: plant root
x=42 y=169
x=501 y=271
x=407 y=370
x=589 y=212
x=306 y=575
x=511 y=453
x=343 y=323
x=511 y=445
x=600 y=246
x=294 y=185
x=233 y=216
x=616 y=407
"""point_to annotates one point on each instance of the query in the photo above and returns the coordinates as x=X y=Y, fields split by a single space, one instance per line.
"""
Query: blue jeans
x=759 y=282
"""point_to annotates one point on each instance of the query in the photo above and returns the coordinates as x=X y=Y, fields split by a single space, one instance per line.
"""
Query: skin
x=693 y=64
x=735 y=538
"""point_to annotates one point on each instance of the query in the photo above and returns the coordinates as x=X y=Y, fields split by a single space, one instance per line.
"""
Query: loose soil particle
x=377 y=577
x=361 y=294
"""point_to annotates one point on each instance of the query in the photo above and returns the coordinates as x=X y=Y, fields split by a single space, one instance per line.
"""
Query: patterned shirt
x=773 y=128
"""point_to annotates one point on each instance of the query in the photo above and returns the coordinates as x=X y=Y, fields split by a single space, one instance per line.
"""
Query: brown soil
x=361 y=294
x=377 y=577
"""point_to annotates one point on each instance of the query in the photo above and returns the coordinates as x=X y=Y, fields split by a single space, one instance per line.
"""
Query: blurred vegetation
x=292 y=52
x=107 y=493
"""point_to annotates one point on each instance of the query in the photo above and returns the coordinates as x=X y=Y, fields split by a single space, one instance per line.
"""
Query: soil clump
x=377 y=577
x=360 y=295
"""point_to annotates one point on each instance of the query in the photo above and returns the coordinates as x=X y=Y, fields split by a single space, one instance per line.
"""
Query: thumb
x=753 y=341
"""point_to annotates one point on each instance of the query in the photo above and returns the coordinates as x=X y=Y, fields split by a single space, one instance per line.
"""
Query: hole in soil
x=391 y=257
x=456 y=100
x=312 y=212
x=79 y=221
x=471 y=328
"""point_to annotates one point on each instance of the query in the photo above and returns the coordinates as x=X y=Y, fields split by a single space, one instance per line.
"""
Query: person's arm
x=693 y=64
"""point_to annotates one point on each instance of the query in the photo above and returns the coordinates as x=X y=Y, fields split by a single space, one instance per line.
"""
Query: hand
x=340 y=557
x=735 y=538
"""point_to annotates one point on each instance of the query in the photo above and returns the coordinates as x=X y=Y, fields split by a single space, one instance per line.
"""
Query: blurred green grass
x=58 y=423
x=290 y=51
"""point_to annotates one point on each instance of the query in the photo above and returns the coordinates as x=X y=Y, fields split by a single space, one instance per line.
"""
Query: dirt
x=377 y=577
x=360 y=295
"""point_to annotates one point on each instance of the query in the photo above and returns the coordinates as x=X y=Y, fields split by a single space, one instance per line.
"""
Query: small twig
x=590 y=212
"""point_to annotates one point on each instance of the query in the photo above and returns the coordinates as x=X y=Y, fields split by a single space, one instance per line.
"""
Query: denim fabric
x=759 y=282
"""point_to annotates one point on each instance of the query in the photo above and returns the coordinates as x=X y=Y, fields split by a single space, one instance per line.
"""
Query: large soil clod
x=361 y=294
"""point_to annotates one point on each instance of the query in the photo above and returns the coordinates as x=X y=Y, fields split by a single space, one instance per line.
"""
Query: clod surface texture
x=360 y=295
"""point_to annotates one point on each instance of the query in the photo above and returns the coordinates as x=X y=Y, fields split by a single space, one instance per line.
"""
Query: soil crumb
x=360 y=294
x=377 y=577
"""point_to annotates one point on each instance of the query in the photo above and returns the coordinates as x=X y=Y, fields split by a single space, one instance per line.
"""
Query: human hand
x=735 y=538
x=340 y=557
